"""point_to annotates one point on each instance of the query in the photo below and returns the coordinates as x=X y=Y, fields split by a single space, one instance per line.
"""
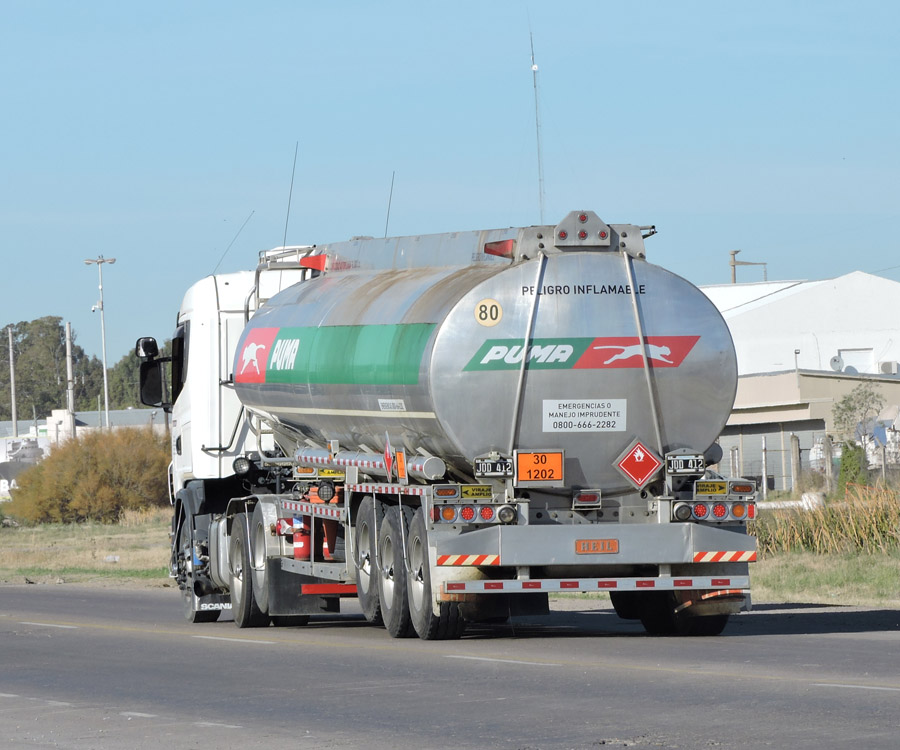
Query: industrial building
x=801 y=347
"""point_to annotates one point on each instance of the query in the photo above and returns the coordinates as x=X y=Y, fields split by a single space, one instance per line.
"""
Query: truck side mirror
x=152 y=382
x=146 y=348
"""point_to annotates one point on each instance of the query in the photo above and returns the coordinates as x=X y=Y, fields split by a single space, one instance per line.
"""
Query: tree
x=95 y=477
x=857 y=408
x=39 y=348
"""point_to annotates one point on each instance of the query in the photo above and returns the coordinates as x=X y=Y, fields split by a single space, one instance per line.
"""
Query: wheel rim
x=237 y=569
x=387 y=558
x=365 y=558
x=416 y=572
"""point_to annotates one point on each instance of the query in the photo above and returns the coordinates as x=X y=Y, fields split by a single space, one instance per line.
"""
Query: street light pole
x=100 y=260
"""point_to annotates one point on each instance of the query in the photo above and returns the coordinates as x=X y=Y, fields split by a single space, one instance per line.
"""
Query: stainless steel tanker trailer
x=451 y=428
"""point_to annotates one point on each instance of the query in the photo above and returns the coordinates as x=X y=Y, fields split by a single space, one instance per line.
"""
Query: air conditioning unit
x=889 y=368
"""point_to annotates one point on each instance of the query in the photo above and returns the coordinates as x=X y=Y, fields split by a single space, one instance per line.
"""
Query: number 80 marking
x=488 y=312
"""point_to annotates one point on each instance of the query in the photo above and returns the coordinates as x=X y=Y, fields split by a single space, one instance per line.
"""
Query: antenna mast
x=537 y=127
x=290 y=194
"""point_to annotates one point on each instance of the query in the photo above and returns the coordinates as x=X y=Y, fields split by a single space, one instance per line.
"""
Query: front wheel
x=448 y=623
x=247 y=613
x=186 y=577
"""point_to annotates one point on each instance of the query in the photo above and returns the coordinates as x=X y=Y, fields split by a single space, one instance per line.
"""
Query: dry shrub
x=866 y=520
x=95 y=477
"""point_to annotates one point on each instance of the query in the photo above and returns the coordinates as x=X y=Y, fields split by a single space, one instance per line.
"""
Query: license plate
x=687 y=464
x=485 y=467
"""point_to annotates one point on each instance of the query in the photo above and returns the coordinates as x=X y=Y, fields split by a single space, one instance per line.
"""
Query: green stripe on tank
x=349 y=355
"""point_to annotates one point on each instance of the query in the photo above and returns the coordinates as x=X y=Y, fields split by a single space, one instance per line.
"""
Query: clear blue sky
x=149 y=132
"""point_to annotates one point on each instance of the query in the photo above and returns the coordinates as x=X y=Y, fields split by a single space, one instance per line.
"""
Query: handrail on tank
x=270 y=260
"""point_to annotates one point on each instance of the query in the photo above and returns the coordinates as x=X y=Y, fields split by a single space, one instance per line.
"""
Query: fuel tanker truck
x=451 y=428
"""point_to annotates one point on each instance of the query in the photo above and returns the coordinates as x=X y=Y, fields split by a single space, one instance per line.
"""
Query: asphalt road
x=111 y=668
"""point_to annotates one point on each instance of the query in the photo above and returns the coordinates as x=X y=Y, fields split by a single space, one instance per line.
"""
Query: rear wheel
x=448 y=622
x=369 y=515
x=247 y=613
x=658 y=616
x=392 y=572
x=186 y=577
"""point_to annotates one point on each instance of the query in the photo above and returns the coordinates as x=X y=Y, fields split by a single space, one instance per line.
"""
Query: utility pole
x=70 y=385
x=12 y=384
x=100 y=260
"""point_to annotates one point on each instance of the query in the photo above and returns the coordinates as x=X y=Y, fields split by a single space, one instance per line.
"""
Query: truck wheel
x=448 y=623
x=627 y=604
x=368 y=516
x=186 y=555
x=247 y=613
x=392 y=572
x=658 y=616
x=258 y=545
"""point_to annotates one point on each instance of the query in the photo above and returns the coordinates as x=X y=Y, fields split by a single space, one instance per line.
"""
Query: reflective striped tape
x=468 y=560
x=725 y=556
x=314 y=509
x=388 y=489
x=734 y=584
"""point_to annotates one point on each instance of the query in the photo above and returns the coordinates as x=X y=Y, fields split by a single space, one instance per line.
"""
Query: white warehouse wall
x=854 y=316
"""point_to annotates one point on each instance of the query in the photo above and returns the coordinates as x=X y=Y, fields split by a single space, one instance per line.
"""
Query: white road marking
x=50 y=625
x=855 y=687
x=137 y=715
x=8 y=695
x=503 y=661
x=234 y=640
x=215 y=724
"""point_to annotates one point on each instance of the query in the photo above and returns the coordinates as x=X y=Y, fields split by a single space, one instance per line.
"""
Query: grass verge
x=132 y=552
x=135 y=553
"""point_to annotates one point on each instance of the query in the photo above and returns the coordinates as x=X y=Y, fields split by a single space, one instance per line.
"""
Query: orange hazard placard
x=400 y=457
x=543 y=466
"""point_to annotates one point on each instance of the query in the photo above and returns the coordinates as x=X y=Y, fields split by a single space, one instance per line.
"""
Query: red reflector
x=645 y=584
x=467 y=513
x=582 y=235
x=568 y=584
x=603 y=235
x=487 y=512
x=751 y=511
x=607 y=584
x=563 y=234
x=493 y=585
x=591 y=498
x=721 y=581
x=683 y=582
x=315 y=262
x=720 y=510
x=455 y=586
x=503 y=248
x=531 y=584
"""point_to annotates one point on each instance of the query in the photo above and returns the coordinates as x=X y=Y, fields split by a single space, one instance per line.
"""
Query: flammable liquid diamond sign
x=639 y=464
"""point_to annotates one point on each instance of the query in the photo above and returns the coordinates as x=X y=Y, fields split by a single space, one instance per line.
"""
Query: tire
x=391 y=576
x=626 y=604
x=658 y=616
x=186 y=555
x=247 y=613
x=448 y=624
x=258 y=544
x=368 y=518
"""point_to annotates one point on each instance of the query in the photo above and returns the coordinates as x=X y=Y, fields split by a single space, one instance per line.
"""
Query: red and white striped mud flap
x=704 y=583
x=726 y=556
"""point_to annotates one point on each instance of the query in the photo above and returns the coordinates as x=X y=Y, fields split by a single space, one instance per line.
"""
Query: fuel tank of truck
x=431 y=359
